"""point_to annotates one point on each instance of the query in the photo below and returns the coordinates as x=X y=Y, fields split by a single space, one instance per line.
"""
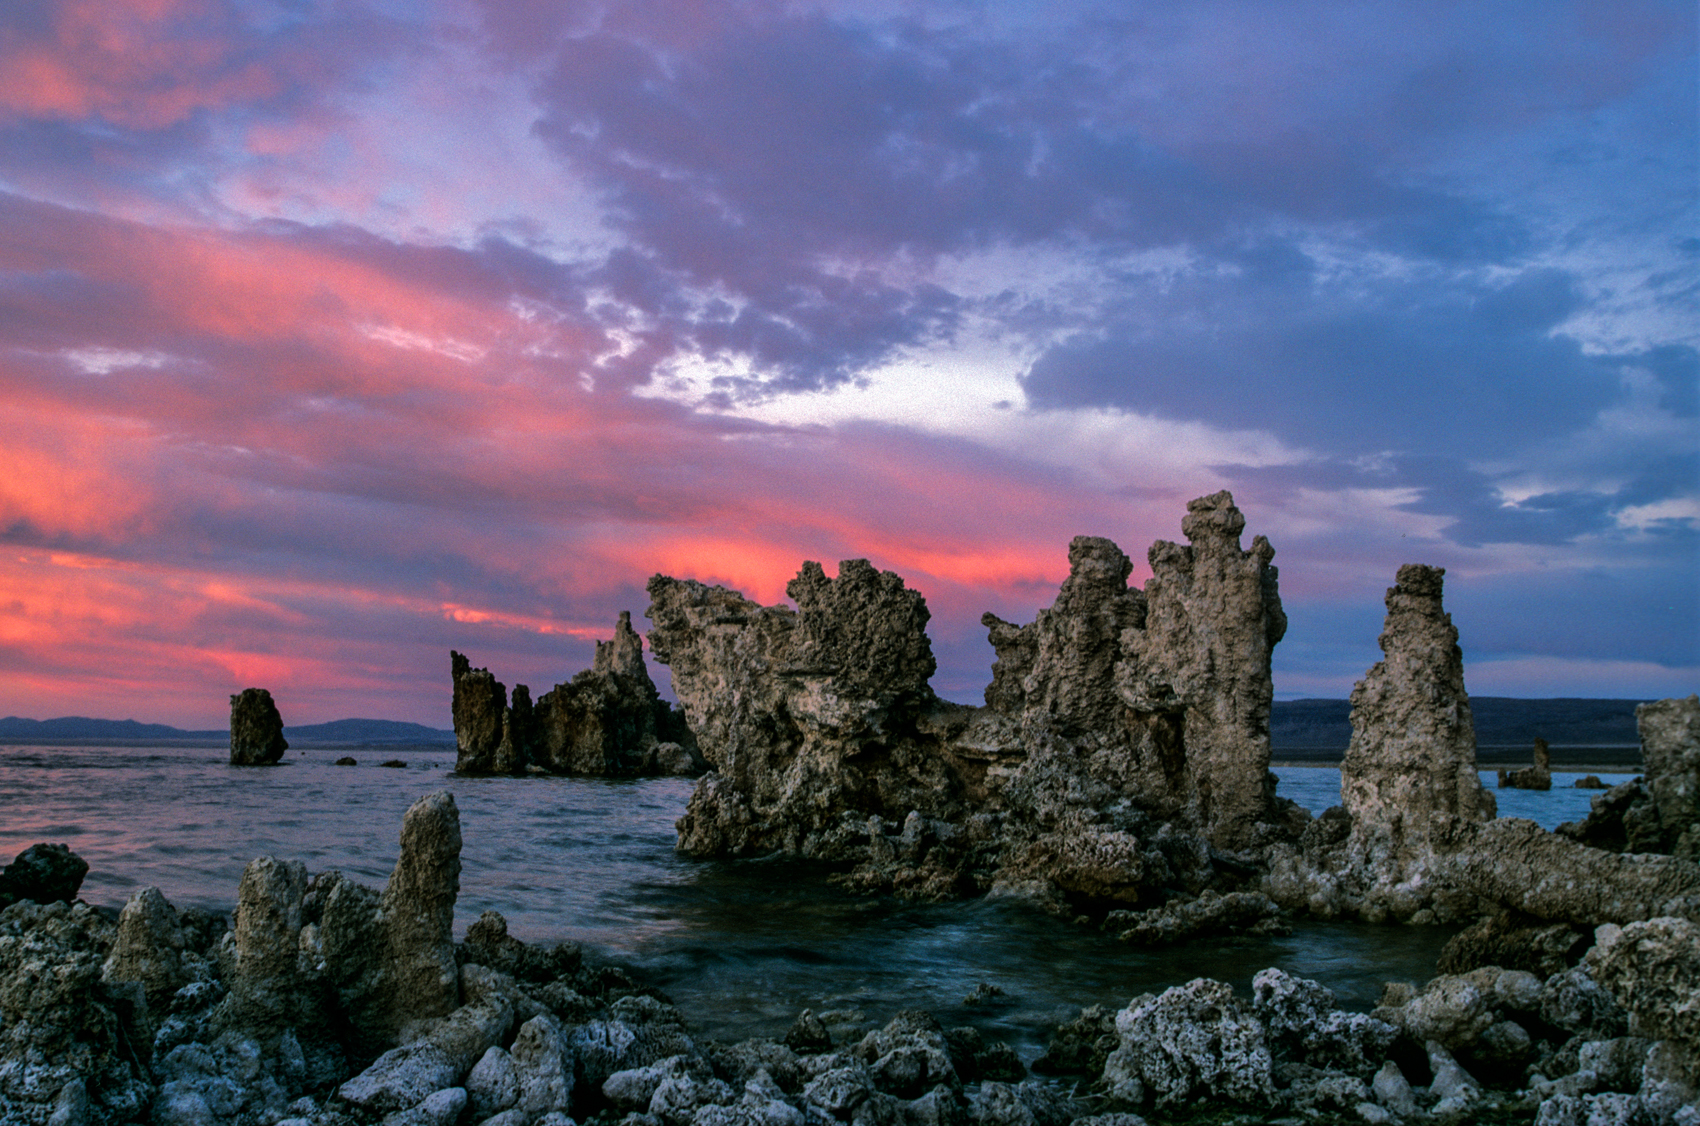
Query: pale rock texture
x=1660 y=811
x=1409 y=779
x=808 y=717
x=1188 y=1042
x=256 y=729
x=270 y=988
x=1515 y=863
x=1121 y=758
x=1202 y=656
x=148 y=949
x=1670 y=753
x=390 y=958
x=62 y=1035
x=1652 y=968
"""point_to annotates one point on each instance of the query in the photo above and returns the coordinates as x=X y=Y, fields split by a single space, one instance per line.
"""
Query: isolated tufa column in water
x=256 y=729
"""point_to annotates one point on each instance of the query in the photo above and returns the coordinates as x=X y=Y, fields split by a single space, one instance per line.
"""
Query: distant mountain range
x=347 y=732
x=1501 y=721
x=1295 y=725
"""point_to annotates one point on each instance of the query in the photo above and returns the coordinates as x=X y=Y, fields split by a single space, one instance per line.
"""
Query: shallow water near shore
x=741 y=947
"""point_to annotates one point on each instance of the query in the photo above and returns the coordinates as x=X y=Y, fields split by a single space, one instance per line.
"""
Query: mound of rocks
x=256 y=729
x=608 y=721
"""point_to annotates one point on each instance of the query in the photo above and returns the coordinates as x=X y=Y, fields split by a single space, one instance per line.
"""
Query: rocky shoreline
x=324 y=1003
x=1118 y=775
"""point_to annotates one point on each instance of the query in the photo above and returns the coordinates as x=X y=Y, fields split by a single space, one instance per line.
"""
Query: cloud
x=335 y=335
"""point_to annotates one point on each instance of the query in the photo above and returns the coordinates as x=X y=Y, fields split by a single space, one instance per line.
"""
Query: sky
x=335 y=335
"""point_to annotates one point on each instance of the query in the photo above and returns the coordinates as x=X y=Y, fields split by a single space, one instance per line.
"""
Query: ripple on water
x=741 y=946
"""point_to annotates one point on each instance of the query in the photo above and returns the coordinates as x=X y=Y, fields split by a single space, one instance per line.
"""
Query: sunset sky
x=337 y=335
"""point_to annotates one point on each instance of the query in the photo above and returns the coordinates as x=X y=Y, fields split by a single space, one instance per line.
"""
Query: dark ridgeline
x=1506 y=728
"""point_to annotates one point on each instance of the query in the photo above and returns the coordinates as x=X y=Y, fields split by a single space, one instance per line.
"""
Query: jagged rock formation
x=1415 y=837
x=1124 y=737
x=608 y=721
x=338 y=966
x=256 y=729
x=1535 y=777
x=1410 y=795
x=483 y=742
x=1409 y=779
x=1213 y=617
x=813 y=720
x=1659 y=812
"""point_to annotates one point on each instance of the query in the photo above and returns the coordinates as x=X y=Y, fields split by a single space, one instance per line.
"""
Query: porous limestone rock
x=809 y=717
x=148 y=949
x=1515 y=863
x=65 y=1037
x=1202 y=656
x=1535 y=777
x=1238 y=912
x=256 y=729
x=1659 y=812
x=270 y=989
x=608 y=721
x=1121 y=758
x=1409 y=780
x=1653 y=969
x=479 y=707
x=1670 y=755
x=1191 y=1041
x=1512 y=940
x=391 y=958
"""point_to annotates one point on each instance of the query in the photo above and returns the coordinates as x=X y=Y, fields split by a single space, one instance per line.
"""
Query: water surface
x=741 y=946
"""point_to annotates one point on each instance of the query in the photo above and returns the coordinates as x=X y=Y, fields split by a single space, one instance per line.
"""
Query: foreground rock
x=164 y=1018
x=1121 y=758
x=256 y=729
x=608 y=721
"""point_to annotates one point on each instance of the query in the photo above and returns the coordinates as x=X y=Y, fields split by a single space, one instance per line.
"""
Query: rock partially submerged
x=1535 y=777
x=608 y=721
x=256 y=729
x=1121 y=758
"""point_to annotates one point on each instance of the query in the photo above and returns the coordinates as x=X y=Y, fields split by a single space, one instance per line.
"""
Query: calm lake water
x=741 y=947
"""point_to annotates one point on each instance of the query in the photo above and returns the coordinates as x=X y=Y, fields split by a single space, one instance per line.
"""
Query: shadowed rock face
x=812 y=719
x=1659 y=812
x=1115 y=711
x=256 y=729
x=1213 y=618
x=608 y=721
